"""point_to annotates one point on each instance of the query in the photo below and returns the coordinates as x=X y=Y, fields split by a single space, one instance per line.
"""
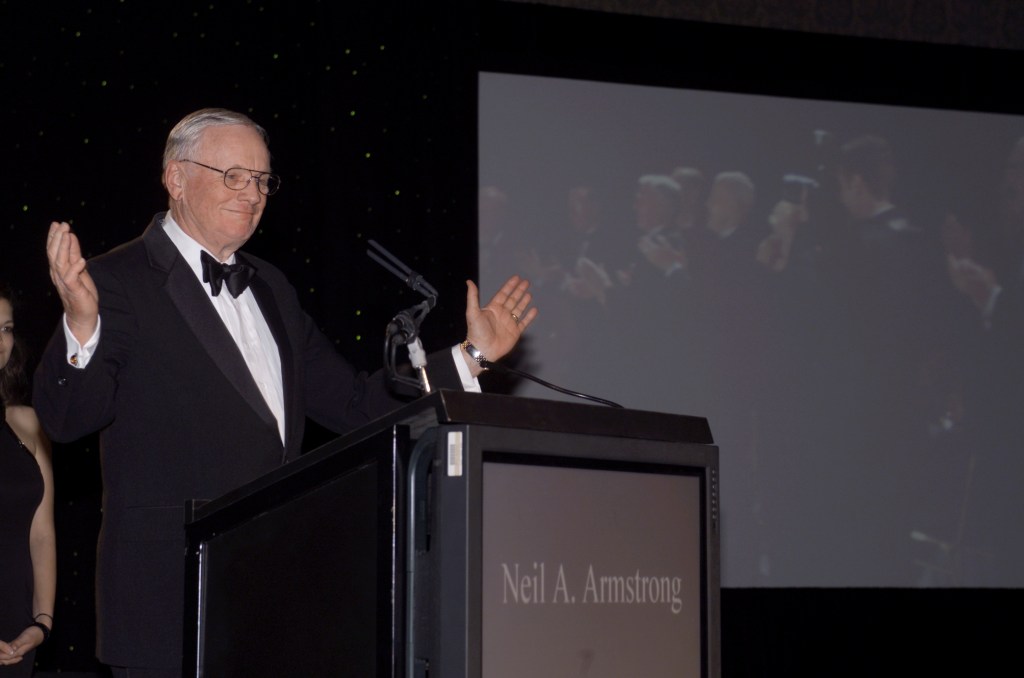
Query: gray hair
x=660 y=182
x=186 y=135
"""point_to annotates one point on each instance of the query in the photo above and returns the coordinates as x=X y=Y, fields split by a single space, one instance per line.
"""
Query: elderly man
x=199 y=368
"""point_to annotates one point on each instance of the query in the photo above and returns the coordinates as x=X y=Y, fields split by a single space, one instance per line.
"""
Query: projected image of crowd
x=856 y=353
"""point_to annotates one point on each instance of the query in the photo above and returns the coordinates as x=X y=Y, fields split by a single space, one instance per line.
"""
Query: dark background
x=371 y=112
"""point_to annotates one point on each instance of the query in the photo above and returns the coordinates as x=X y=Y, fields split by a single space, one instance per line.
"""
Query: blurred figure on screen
x=584 y=261
x=733 y=242
x=894 y=268
x=578 y=294
x=688 y=234
x=649 y=284
x=507 y=242
x=726 y=273
x=869 y=279
x=691 y=198
x=656 y=256
x=986 y=265
x=894 y=351
x=998 y=268
x=787 y=218
x=727 y=316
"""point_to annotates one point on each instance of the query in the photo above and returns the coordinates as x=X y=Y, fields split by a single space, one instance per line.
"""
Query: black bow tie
x=237 y=276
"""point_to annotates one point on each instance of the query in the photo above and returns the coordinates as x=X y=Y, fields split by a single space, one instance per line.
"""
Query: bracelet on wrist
x=44 y=628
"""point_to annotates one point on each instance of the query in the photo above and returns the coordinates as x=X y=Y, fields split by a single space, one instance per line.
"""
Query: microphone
x=403 y=330
x=403 y=272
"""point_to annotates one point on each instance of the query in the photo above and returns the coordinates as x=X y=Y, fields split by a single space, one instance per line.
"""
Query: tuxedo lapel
x=191 y=300
x=272 y=314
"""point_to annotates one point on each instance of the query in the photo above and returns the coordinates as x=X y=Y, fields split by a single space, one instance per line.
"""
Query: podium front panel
x=590 y=567
x=555 y=554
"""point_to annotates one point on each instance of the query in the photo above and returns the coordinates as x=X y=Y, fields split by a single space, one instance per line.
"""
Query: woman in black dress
x=28 y=561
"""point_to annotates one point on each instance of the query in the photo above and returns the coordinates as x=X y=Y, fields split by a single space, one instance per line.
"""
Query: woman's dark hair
x=13 y=380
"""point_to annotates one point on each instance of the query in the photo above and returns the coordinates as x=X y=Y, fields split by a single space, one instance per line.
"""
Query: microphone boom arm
x=404 y=328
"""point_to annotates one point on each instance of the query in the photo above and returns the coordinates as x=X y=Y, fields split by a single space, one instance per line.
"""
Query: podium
x=470 y=535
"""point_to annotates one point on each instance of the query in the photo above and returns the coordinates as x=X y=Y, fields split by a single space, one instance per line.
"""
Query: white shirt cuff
x=469 y=382
x=79 y=354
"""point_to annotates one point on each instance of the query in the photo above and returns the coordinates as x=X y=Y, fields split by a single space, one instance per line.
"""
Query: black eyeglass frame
x=261 y=184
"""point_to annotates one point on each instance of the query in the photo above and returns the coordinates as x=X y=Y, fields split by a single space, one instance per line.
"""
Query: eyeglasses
x=237 y=178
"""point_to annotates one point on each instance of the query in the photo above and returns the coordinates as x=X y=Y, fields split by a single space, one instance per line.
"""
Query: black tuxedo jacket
x=180 y=418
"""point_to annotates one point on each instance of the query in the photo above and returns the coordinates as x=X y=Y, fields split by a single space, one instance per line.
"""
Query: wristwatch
x=473 y=352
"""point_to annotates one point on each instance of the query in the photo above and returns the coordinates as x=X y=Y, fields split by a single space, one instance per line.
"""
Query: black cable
x=501 y=368
x=394 y=338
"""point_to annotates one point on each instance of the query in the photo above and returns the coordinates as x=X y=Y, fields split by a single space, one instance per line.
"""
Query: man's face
x=6 y=331
x=652 y=207
x=217 y=217
x=855 y=196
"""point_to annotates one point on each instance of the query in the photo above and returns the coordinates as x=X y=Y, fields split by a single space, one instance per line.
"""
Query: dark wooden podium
x=421 y=544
